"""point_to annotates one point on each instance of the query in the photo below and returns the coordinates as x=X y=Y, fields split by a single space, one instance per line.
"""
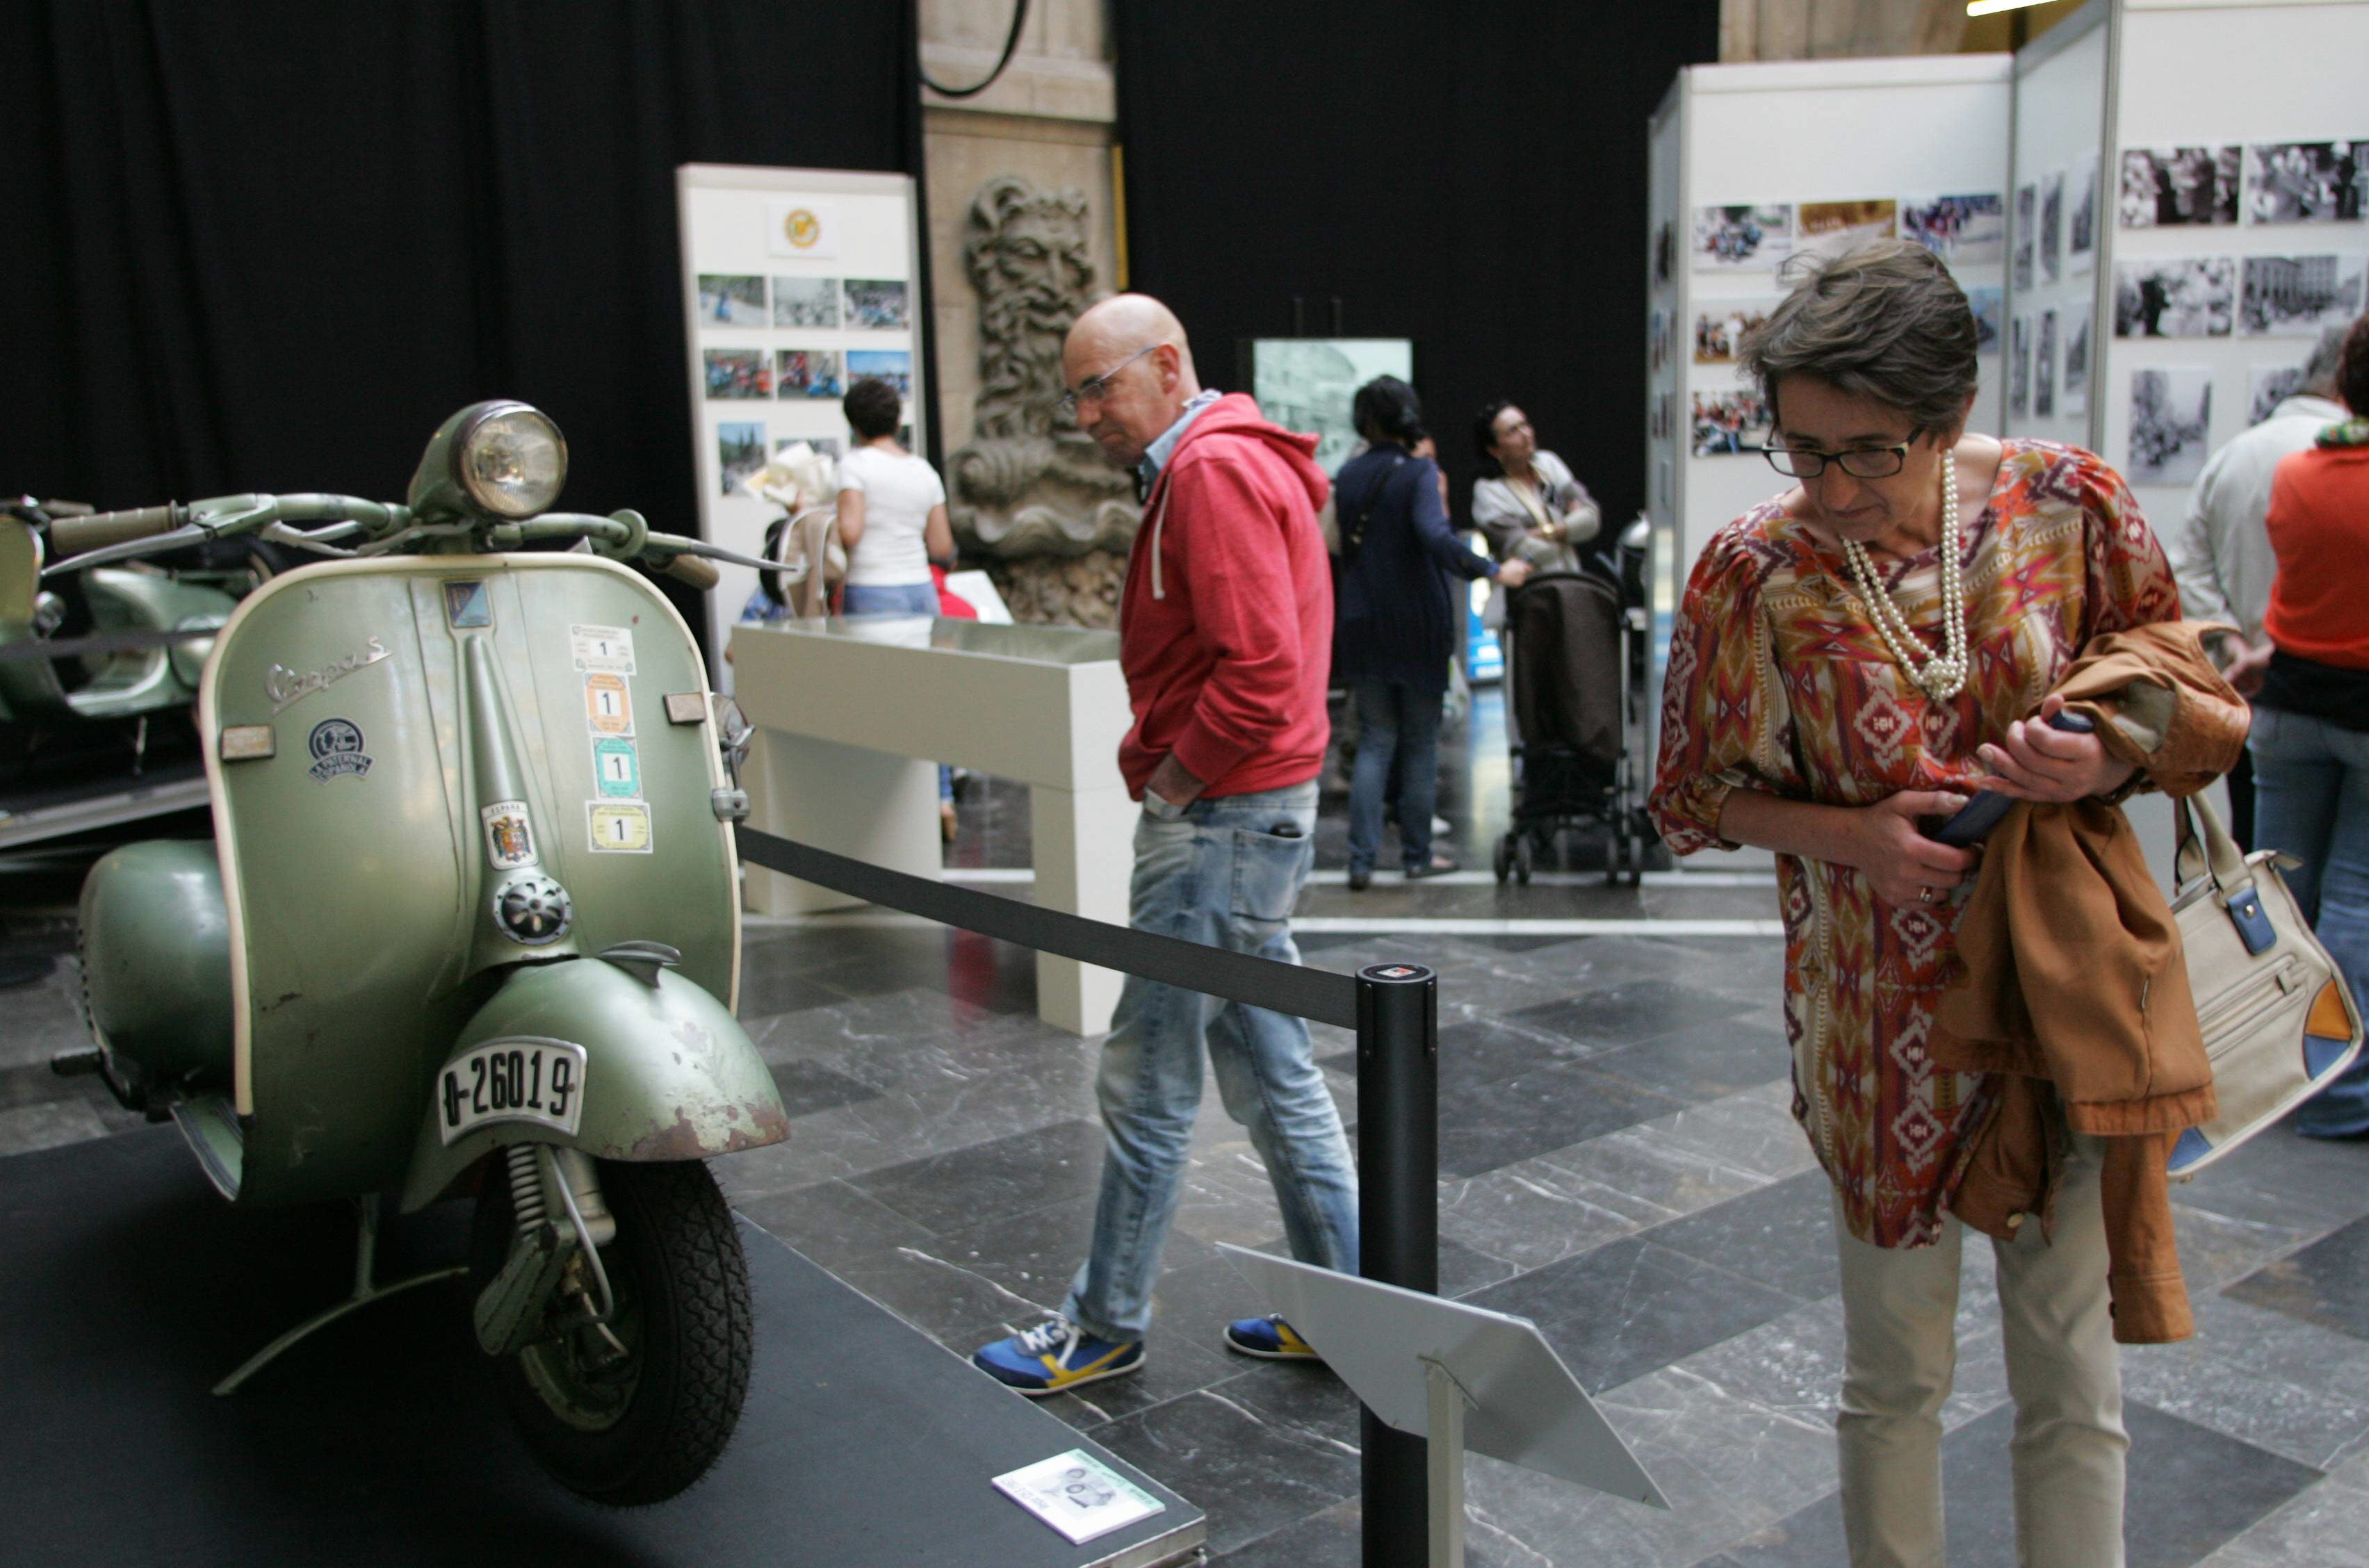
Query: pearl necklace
x=1942 y=675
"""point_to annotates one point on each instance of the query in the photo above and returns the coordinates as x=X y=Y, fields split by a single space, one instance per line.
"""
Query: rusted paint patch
x=683 y=1138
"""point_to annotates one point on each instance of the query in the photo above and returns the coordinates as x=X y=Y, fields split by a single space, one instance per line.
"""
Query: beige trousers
x=1900 y=1353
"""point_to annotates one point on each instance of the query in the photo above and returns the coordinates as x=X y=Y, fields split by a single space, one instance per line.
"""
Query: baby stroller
x=1570 y=638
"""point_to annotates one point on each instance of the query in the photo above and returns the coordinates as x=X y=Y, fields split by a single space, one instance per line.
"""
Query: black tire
x=1503 y=860
x=1522 y=860
x=681 y=1284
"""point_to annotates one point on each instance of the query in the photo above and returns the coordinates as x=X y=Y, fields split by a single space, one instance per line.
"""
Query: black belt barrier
x=1394 y=1009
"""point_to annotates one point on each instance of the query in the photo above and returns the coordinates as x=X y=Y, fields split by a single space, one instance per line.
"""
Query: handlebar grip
x=701 y=575
x=72 y=535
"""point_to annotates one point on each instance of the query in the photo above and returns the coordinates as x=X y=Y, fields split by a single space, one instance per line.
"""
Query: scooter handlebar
x=701 y=575
x=74 y=535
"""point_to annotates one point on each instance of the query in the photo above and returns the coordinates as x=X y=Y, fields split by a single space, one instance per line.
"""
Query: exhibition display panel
x=796 y=283
x=1751 y=167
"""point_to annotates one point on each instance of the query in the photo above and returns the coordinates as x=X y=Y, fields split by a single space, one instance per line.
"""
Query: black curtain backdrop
x=269 y=246
x=1471 y=178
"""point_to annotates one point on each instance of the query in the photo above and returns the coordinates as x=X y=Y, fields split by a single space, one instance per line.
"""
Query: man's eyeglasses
x=1859 y=463
x=1094 y=388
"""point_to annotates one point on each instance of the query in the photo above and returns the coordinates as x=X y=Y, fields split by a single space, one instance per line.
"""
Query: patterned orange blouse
x=1779 y=681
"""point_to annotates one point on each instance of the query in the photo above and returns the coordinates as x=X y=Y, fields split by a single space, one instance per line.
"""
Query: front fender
x=668 y=1074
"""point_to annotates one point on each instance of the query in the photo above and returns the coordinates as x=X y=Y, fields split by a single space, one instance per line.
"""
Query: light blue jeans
x=897 y=599
x=1219 y=873
x=1401 y=722
x=2311 y=800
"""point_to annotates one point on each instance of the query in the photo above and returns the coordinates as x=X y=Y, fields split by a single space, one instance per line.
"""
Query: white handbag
x=2278 y=1022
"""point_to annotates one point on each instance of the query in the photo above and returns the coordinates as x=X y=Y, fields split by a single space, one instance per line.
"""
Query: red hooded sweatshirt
x=1226 y=623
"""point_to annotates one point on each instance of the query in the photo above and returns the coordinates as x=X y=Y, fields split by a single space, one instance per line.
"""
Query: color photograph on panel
x=1730 y=239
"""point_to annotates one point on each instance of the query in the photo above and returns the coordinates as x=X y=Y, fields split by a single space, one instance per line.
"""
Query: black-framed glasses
x=1094 y=388
x=1859 y=463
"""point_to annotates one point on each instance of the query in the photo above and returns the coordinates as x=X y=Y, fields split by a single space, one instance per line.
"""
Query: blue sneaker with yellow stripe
x=1269 y=1337
x=1055 y=1357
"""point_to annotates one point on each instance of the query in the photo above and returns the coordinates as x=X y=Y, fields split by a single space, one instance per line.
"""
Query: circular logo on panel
x=336 y=748
x=801 y=227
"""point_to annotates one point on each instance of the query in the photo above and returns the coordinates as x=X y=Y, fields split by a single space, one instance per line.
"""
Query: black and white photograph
x=2306 y=182
x=737 y=372
x=2027 y=221
x=2051 y=227
x=1728 y=423
x=806 y=302
x=2072 y=395
x=807 y=372
x=2176 y=296
x=1720 y=329
x=2019 y=366
x=877 y=303
x=739 y=452
x=727 y=299
x=1986 y=304
x=2171 y=425
x=1830 y=228
x=2267 y=386
x=2081 y=221
x=1963 y=230
x=2295 y=296
x=2043 y=369
x=1730 y=239
x=2166 y=187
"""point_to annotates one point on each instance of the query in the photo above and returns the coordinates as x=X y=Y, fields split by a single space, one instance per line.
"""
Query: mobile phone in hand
x=1974 y=821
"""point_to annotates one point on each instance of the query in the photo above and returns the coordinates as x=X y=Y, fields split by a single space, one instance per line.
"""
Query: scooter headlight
x=513 y=460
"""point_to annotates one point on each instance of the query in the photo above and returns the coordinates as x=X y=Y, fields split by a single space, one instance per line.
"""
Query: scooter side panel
x=360 y=863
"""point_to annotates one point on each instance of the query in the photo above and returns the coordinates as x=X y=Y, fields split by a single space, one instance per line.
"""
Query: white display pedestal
x=851 y=716
x=1461 y=1377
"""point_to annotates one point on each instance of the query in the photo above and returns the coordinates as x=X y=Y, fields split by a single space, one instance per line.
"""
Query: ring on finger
x=1924 y=895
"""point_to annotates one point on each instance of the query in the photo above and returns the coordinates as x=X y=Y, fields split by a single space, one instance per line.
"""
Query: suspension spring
x=526 y=1188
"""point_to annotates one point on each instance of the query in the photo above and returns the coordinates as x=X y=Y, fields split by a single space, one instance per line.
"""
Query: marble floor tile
x=810 y=1086
x=2325 y=1283
x=2190 y=1491
x=2258 y=1374
x=1624 y=1014
x=2280 y=1178
x=1485 y=1126
x=1533 y=1212
x=1794 y=1365
x=1662 y=1176
x=46 y=1123
x=1629 y=1307
x=2326 y=1525
x=1175 y=1364
x=1754 y=1130
x=896 y=1127
x=2216 y=1250
x=959 y=1306
x=1781 y=1236
x=831 y=1223
x=1250 y=1476
x=1704 y=1061
x=1001 y=1180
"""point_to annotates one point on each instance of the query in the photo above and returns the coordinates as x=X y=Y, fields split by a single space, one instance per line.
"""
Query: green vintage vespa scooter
x=468 y=928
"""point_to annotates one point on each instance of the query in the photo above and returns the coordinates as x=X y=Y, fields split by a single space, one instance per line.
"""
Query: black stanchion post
x=1398 y=1219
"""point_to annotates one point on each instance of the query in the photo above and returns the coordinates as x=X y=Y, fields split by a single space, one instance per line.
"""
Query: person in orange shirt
x=2310 y=741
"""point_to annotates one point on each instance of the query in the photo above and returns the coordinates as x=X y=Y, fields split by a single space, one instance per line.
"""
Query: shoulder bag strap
x=1352 y=536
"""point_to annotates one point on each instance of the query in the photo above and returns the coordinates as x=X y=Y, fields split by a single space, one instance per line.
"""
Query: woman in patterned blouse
x=1822 y=704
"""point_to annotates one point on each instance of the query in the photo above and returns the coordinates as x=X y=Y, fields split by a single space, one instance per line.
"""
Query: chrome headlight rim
x=493 y=501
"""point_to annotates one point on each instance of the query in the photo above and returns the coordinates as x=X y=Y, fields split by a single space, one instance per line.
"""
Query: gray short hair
x=2321 y=372
x=1882 y=320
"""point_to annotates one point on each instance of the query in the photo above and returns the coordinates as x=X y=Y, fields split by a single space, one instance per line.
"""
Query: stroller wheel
x=1522 y=859
x=1503 y=860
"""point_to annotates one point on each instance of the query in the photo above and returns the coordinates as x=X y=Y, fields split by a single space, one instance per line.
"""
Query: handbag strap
x=2212 y=850
x=1353 y=536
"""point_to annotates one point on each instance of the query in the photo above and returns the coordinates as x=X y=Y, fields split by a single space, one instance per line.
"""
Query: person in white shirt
x=2221 y=554
x=892 y=518
x=892 y=511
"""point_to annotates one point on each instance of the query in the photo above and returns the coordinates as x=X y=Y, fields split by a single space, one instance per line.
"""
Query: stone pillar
x=1021 y=201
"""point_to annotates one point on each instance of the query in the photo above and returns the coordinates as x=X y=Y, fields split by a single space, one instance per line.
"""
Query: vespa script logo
x=284 y=686
x=336 y=748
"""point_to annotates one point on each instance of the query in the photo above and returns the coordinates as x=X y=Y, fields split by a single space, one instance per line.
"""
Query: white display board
x=2060 y=208
x=796 y=281
x=1749 y=167
x=2271 y=90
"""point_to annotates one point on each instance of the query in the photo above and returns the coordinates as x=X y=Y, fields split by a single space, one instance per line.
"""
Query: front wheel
x=635 y=1410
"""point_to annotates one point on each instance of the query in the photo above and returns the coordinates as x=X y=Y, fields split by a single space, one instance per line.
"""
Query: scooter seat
x=155 y=956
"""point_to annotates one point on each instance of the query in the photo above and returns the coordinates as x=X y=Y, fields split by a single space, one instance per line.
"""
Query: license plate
x=511 y=1080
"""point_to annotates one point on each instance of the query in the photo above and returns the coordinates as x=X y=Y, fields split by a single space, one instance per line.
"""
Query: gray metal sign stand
x=1457 y=1375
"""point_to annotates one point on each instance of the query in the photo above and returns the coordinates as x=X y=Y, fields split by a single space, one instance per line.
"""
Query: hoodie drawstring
x=1159 y=520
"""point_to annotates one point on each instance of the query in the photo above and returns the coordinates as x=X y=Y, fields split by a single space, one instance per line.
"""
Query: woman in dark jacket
x=1395 y=621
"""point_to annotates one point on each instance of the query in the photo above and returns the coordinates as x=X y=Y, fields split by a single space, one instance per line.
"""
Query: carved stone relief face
x=1039 y=255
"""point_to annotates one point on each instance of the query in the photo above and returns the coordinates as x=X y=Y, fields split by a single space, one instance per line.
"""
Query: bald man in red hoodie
x=1225 y=634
